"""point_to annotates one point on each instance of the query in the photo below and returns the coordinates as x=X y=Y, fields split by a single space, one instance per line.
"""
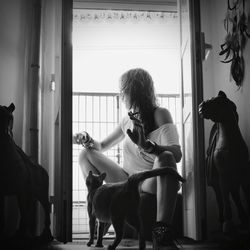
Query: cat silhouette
x=118 y=203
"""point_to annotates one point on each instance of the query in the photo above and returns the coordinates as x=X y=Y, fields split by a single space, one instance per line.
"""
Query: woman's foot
x=163 y=237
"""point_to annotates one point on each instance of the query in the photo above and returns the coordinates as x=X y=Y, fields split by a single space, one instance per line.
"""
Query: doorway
x=190 y=95
x=106 y=43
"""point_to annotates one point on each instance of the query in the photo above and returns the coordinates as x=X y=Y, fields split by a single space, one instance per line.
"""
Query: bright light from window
x=104 y=49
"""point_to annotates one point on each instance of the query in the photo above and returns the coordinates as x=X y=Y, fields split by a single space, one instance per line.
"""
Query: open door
x=192 y=126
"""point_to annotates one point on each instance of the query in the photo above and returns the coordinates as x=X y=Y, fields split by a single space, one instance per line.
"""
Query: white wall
x=50 y=71
x=14 y=42
x=15 y=31
x=14 y=45
x=216 y=76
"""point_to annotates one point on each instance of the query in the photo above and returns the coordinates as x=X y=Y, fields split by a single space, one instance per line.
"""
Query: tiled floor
x=240 y=242
x=131 y=245
x=81 y=245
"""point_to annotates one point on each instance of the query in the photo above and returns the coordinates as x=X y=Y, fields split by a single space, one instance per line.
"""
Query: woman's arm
x=163 y=116
x=112 y=139
x=174 y=149
x=87 y=141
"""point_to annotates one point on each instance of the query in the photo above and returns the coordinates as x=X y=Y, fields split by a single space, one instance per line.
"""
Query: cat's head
x=93 y=181
x=6 y=119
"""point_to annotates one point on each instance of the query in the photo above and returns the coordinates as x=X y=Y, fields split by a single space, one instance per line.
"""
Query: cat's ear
x=11 y=108
x=222 y=94
x=90 y=173
x=103 y=176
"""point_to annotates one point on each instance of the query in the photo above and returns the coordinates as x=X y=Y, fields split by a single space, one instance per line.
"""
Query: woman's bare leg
x=165 y=187
x=97 y=162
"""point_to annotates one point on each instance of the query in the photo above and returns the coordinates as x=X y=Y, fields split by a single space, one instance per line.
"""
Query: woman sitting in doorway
x=150 y=141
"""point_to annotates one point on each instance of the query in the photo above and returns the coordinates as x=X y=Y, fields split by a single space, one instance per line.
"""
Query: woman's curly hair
x=137 y=85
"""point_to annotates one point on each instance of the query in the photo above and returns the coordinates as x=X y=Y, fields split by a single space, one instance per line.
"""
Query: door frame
x=199 y=156
x=199 y=226
x=66 y=116
x=64 y=186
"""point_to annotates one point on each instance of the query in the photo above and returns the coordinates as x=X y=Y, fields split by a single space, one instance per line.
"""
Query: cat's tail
x=135 y=179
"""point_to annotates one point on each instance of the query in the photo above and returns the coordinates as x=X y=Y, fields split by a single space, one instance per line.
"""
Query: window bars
x=99 y=114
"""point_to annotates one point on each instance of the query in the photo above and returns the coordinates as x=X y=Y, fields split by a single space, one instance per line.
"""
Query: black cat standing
x=118 y=202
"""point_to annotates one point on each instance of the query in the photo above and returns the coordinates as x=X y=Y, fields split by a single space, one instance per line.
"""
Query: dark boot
x=162 y=236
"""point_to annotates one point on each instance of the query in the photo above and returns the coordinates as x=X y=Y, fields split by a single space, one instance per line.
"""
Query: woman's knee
x=85 y=156
x=84 y=160
x=165 y=159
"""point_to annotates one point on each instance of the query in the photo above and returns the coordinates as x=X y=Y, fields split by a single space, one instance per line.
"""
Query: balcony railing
x=99 y=114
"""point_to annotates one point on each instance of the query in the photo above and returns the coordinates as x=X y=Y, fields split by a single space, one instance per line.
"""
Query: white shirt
x=136 y=160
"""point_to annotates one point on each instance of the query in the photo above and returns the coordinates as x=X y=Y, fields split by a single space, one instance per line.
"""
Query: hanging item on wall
x=236 y=25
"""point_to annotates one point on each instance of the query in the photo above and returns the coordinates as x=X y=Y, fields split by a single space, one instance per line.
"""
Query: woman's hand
x=83 y=139
x=137 y=135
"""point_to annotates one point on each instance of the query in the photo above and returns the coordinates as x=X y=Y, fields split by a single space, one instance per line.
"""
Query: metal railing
x=99 y=114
